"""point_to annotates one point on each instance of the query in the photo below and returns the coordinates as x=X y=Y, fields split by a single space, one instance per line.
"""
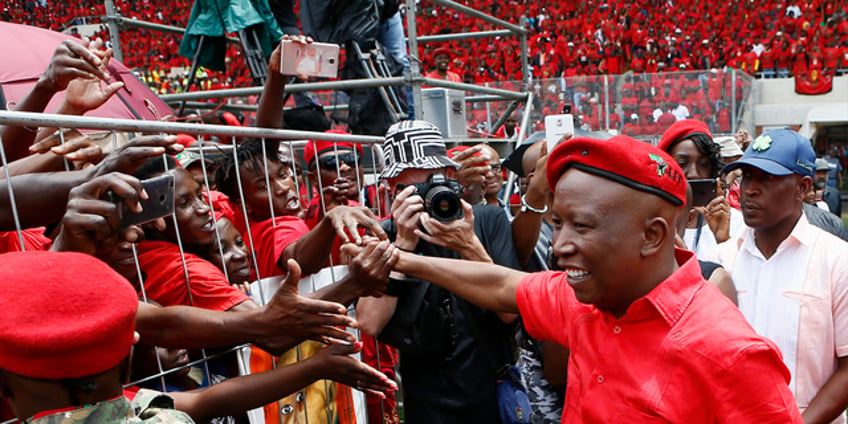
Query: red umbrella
x=26 y=52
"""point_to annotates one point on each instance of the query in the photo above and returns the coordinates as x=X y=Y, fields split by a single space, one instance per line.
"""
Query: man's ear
x=656 y=231
x=805 y=184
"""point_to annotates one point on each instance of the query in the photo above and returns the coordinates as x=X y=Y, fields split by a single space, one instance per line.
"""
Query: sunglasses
x=332 y=162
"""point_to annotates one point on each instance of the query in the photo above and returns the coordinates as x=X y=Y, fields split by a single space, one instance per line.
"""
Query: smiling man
x=792 y=276
x=648 y=336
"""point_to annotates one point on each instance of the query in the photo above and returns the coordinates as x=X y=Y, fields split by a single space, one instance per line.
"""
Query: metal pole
x=606 y=102
x=156 y=27
x=509 y=109
x=31 y=119
x=414 y=74
x=464 y=35
x=290 y=88
x=733 y=100
x=525 y=60
x=114 y=32
x=480 y=15
x=522 y=130
x=507 y=94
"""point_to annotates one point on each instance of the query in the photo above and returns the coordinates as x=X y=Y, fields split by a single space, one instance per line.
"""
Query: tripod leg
x=192 y=71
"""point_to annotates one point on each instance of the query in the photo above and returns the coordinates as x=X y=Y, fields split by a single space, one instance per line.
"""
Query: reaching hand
x=71 y=60
x=89 y=93
x=370 y=265
x=91 y=223
x=289 y=318
x=337 y=365
x=346 y=219
x=81 y=150
x=130 y=156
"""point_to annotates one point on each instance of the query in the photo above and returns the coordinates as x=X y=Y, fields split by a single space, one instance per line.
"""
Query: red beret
x=682 y=130
x=624 y=160
x=325 y=146
x=65 y=315
x=444 y=51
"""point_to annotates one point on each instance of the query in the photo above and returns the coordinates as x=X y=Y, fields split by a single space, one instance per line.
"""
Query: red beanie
x=682 y=130
x=326 y=146
x=65 y=315
x=624 y=160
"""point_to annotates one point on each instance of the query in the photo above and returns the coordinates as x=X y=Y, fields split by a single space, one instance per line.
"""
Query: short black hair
x=155 y=166
x=249 y=155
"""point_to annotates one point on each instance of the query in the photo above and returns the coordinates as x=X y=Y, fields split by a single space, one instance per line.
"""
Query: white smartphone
x=312 y=60
x=557 y=126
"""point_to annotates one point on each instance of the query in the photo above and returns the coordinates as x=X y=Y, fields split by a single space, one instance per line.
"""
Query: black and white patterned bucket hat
x=413 y=145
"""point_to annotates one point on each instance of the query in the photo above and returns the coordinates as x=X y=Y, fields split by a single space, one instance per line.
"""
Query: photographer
x=450 y=349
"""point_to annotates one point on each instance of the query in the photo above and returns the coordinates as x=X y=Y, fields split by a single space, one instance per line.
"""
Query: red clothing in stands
x=165 y=280
x=682 y=353
x=452 y=77
x=34 y=239
x=269 y=241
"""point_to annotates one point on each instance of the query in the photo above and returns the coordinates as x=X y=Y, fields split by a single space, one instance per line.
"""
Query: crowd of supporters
x=568 y=39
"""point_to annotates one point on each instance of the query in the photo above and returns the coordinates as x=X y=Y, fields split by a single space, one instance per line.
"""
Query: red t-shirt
x=270 y=240
x=165 y=282
x=682 y=353
x=34 y=239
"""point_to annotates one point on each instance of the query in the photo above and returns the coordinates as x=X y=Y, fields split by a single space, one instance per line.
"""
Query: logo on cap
x=761 y=143
x=662 y=167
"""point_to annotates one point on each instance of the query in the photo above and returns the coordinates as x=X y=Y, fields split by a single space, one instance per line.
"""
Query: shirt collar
x=802 y=232
x=673 y=295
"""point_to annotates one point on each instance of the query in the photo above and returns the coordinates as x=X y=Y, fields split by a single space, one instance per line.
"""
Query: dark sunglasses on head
x=331 y=162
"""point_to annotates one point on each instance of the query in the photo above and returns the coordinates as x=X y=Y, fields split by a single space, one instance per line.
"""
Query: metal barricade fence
x=292 y=139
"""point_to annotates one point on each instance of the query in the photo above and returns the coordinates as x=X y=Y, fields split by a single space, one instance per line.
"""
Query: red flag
x=813 y=82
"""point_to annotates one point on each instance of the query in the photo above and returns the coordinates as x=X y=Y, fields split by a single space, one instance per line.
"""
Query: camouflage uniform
x=148 y=406
x=547 y=401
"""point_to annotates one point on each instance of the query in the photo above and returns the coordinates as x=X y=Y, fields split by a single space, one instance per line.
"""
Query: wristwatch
x=527 y=208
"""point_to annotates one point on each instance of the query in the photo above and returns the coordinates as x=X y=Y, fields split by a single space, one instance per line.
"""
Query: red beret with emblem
x=322 y=146
x=682 y=130
x=625 y=160
x=65 y=315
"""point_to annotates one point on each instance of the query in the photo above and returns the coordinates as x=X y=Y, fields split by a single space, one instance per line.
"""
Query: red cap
x=65 y=315
x=624 y=160
x=682 y=130
x=325 y=146
x=443 y=50
x=230 y=119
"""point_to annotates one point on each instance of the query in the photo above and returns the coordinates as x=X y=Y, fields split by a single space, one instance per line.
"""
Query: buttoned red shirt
x=682 y=353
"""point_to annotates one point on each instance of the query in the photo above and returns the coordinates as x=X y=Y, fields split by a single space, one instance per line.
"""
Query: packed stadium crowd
x=699 y=279
x=566 y=39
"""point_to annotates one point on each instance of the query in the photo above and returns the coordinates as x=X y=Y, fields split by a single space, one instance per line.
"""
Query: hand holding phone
x=309 y=59
x=159 y=202
x=556 y=127
x=703 y=191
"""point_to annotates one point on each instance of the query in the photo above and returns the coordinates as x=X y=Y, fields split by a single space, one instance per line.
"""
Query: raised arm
x=528 y=223
x=269 y=111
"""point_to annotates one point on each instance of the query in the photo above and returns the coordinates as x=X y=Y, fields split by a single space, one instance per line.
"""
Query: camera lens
x=443 y=204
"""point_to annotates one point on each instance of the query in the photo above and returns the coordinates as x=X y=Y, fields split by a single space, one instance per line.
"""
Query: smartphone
x=703 y=191
x=557 y=126
x=312 y=60
x=159 y=203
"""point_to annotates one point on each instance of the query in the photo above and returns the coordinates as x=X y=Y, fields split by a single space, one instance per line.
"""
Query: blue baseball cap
x=779 y=152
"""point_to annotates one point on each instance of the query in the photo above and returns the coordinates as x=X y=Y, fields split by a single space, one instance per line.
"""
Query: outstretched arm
x=269 y=111
x=486 y=285
x=236 y=395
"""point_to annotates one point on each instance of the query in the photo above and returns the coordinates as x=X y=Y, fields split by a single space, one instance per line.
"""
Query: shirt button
x=600 y=378
x=616 y=329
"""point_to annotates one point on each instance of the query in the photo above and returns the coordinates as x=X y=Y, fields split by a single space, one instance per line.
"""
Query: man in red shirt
x=648 y=336
x=442 y=57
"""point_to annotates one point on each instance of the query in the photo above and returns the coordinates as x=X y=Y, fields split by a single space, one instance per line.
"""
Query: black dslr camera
x=442 y=197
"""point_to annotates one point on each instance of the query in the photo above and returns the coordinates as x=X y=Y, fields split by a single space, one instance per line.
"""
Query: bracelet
x=527 y=208
x=404 y=249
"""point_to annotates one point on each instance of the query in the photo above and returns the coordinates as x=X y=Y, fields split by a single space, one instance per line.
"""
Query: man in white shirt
x=792 y=277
